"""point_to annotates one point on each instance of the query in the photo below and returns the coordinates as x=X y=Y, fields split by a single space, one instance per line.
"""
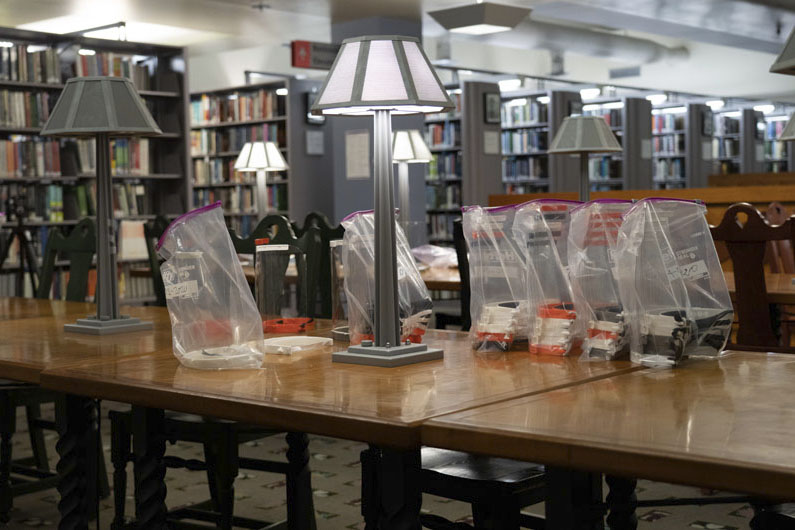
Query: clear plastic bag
x=593 y=232
x=671 y=283
x=214 y=320
x=435 y=256
x=497 y=279
x=541 y=232
x=358 y=257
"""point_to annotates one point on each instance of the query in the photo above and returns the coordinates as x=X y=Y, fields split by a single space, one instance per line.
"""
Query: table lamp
x=408 y=147
x=260 y=157
x=379 y=76
x=584 y=135
x=102 y=107
x=788 y=134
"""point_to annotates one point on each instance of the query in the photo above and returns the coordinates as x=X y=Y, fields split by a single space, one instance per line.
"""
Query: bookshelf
x=223 y=120
x=524 y=141
x=55 y=178
x=778 y=156
x=738 y=141
x=605 y=170
x=682 y=150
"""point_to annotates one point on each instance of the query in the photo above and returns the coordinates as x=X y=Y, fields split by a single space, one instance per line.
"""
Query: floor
x=335 y=477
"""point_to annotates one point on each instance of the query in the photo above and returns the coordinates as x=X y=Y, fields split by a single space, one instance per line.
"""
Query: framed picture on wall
x=491 y=104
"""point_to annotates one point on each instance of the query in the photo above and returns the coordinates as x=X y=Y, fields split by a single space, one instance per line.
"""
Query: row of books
x=667 y=122
x=242 y=225
x=670 y=144
x=725 y=147
x=524 y=111
x=113 y=64
x=213 y=141
x=443 y=134
x=668 y=169
x=445 y=166
x=129 y=200
x=726 y=125
x=523 y=141
x=728 y=167
x=30 y=158
x=455 y=112
x=438 y=197
x=215 y=171
x=25 y=109
x=526 y=187
x=237 y=106
x=774 y=148
x=241 y=200
x=440 y=227
x=128 y=156
x=613 y=117
x=19 y=64
x=604 y=168
x=528 y=168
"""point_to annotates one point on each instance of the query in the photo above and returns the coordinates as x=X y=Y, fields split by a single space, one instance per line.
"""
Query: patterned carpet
x=336 y=483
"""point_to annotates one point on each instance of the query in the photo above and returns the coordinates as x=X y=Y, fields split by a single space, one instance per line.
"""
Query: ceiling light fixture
x=543 y=99
x=765 y=109
x=715 y=104
x=481 y=18
x=590 y=93
x=506 y=85
x=657 y=99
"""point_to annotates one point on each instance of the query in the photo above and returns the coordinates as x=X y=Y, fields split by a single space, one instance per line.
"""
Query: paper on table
x=357 y=154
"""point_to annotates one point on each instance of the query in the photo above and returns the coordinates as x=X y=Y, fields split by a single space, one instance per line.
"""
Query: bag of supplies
x=214 y=319
x=671 y=283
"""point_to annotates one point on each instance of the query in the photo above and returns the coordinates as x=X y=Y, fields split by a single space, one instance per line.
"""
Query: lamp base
x=93 y=326
x=387 y=357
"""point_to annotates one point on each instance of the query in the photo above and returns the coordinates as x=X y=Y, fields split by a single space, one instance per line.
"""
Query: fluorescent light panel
x=590 y=93
x=765 y=109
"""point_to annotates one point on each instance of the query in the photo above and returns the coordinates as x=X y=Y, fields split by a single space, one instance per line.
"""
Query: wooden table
x=15 y=308
x=727 y=424
x=308 y=393
x=780 y=289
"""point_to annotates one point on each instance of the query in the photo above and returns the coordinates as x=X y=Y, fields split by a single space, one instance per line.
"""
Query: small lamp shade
x=584 y=134
x=260 y=156
x=408 y=146
x=381 y=72
x=95 y=105
x=788 y=134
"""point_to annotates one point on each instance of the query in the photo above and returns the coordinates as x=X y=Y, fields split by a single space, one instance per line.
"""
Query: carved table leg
x=621 y=503
x=149 y=446
x=400 y=490
x=370 y=460
x=574 y=500
x=300 y=505
x=74 y=419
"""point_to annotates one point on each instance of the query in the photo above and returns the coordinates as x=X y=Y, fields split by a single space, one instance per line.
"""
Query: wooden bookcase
x=216 y=141
x=57 y=185
x=685 y=161
x=525 y=139
x=779 y=156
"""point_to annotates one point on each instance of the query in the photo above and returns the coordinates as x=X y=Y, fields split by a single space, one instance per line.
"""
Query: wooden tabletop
x=308 y=393
x=780 y=289
x=727 y=424
x=36 y=343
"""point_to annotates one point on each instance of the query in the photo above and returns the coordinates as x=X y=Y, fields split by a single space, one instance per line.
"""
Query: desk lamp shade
x=409 y=146
x=582 y=135
x=102 y=107
x=788 y=134
x=381 y=76
x=381 y=72
x=260 y=156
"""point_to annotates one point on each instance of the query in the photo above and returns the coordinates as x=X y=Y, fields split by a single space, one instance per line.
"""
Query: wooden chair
x=458 y=317
x=221 y=439
x=327 y=233
x=152 y=232
x=29 y=475
x=746 y=243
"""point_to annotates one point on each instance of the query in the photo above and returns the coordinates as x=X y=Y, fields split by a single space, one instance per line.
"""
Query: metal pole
x=387 y=326
x=262 y=194
x=585 y=183
x=106 y=296
x=403 y=195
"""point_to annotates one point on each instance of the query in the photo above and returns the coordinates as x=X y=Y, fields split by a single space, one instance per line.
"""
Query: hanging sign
x=307 y=54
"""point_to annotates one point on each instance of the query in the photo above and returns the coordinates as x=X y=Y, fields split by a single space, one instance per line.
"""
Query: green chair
x=152 y=233
x=327 y=233
x=18 y=477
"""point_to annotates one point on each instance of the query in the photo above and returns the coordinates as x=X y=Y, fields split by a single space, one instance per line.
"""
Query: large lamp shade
x=381 y=76
x=260 y=157
x=102 y=107
x=583 y=135
x=788 y=134
x=408 y=147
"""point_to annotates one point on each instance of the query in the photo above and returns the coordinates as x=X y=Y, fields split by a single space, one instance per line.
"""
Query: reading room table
x=727 y=424
x=307 y=393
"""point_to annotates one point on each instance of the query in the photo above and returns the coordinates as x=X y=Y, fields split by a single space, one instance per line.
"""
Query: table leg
x=400 y=489
x=621 y=503
x=300 y=505
x=149 y=447
x=74 y=420
x=573 y=500
x=370 y=459
x=8 y=421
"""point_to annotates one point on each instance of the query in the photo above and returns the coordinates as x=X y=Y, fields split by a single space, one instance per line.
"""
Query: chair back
x=270 y=226
x=780 y=254
x=78 y=248
x=327 y=233
x=746 y=243
x=460 y=244
x=152 y=232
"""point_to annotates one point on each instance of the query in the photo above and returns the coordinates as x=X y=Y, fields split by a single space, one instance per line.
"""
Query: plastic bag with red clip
x=671 y=283
x=358 y=259
x=215 y=322
x=541 y=231
x=593 y=232
x=497 y=279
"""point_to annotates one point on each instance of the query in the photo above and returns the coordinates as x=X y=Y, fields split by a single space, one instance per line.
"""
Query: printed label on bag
x=187 y=289
x=694 y=271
